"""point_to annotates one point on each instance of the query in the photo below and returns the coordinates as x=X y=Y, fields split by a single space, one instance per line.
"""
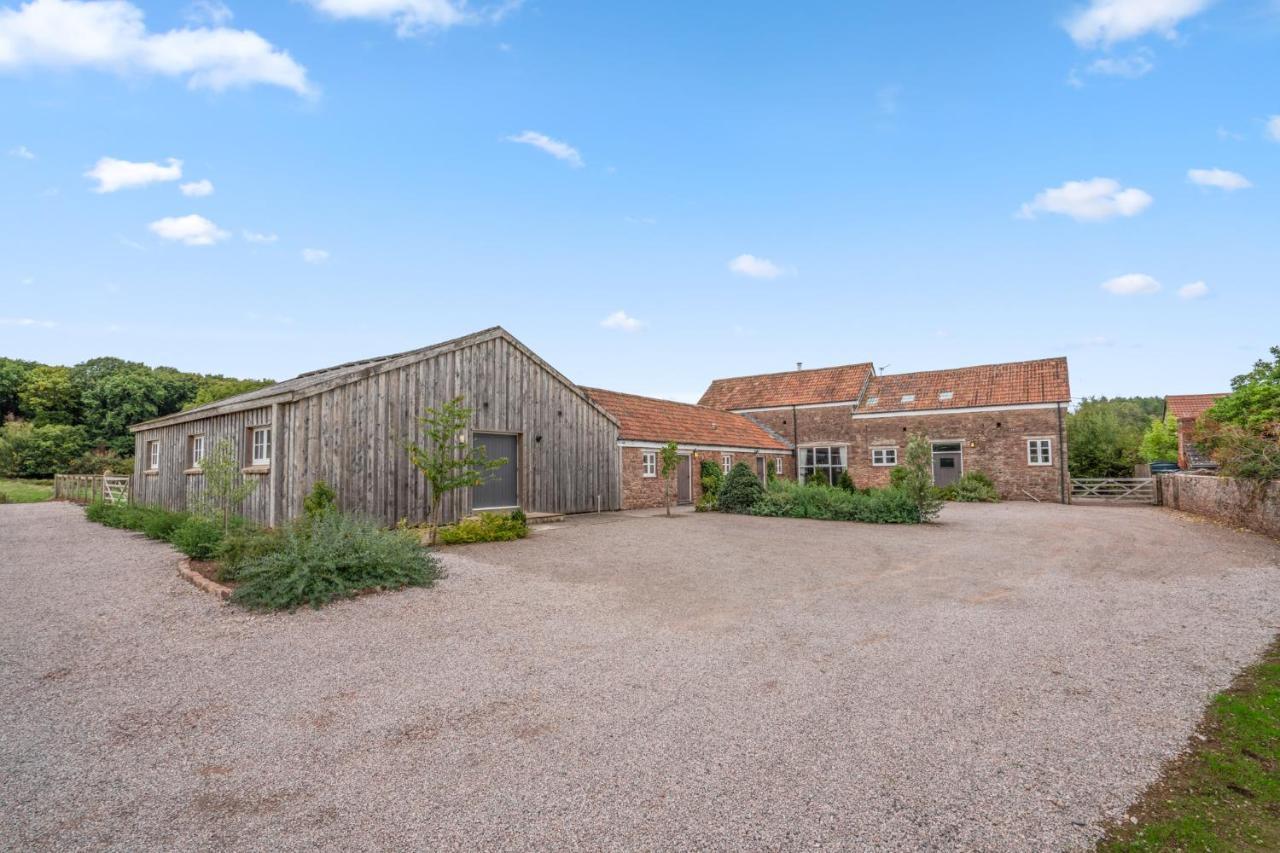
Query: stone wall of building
x=1244 y=503
x=641 y=492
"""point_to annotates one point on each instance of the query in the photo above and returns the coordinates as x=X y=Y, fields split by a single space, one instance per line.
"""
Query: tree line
x=59 y=419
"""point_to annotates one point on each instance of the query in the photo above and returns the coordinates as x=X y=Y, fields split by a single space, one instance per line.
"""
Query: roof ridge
x=1061 y=358
x=590 y=388
x=794 y=372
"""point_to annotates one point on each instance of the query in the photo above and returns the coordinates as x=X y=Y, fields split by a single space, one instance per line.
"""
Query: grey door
x=500 y=488
x=684 y=485
x=946 y=463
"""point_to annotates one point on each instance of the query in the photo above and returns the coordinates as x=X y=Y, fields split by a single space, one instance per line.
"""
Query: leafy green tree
x=1254 y=401
x=1160 y=441
x=211 y=389
x=447 y=460
x=49 y=395
x=13 y=372
x=916 y=479
x=225 y=487
x=670 y=464
x=1104 y=437
x=27 y=450
x=113 y=401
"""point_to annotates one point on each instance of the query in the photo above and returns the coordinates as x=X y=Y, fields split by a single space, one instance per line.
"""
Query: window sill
x=256 y=469
x=650 y=476
x=190 y=472
x=151 y=472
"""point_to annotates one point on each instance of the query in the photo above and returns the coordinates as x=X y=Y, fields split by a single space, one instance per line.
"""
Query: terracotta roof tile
x=650 y=419
x=1042 y=381
x=792 y=388
x=1192 y=406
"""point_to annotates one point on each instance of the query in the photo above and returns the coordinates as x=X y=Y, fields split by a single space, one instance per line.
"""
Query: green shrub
x=974 y=487
x=711 y=475
x=789 y=499
x=706 y=503
x=917 y=480
x=844 y=481
x=160 y=523
x=740 y=490
x=197 y=537
x=322 y=499
x=517 y=514
x=485 y=527
x=101 y=461
x=242 y=545
x=27 y=450
x=334 y=556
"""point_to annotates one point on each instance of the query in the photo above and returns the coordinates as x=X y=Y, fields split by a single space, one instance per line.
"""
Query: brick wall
x=1244 y=503
x=995 y=442
x=641 y=492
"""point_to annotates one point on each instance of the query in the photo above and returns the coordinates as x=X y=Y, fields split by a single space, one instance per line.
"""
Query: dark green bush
x=517 y=514
x=740 y=490
x=197 y=537
x=974 y=487
x=789 y=499
x=322 y=499
x=711 y=475
x=333 y=556
x=844 y=481
x=160 y=523
x=485 y=527
x=242 y=545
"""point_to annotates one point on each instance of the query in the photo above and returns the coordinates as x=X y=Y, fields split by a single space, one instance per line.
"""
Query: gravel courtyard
x=1003 y=680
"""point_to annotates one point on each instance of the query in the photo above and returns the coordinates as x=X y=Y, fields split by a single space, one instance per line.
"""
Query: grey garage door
x=500 y=488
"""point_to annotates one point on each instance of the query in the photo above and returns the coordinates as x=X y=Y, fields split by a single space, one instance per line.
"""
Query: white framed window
x=884 y=456
x=260 y=443
x=778 y=462
x=197 y=450
x=823 y=464
x=726 y=461
x=649 y=461
x=908 y=398
x=1039 y=451
x=945 y=395
x=153 y=456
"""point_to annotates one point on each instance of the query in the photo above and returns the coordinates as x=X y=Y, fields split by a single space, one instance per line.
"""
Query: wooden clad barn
x=347 y=425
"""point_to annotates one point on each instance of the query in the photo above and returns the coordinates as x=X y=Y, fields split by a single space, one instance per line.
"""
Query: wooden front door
x=684 y=481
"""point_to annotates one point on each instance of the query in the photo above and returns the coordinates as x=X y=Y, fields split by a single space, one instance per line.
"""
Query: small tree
x=447 y=460
x=225 y=488
x=670 y=464
x=916 y=479
x=1160 y=441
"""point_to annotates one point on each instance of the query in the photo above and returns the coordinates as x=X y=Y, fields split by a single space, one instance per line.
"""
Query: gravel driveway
x=1005 y=679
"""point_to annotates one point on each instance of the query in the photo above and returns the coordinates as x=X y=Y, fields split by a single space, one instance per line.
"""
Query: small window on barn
x=945 y=395
x=908 y=398
x=650 y=462
x=153 y=456
x=260 y=443
x=1039 y=451
x=726 y=461
x=195 y=451
x=871 y=401
x=884 y=456
x=777 y=465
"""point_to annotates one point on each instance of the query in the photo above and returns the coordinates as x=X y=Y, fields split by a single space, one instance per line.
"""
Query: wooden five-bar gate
x=1114 y=490
x=86 y=488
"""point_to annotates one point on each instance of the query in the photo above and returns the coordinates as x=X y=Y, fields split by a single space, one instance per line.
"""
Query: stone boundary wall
x=1244 y=503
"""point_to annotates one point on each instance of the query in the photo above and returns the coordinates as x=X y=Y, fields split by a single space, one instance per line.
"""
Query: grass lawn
x=1224 y=794
x=26 y=491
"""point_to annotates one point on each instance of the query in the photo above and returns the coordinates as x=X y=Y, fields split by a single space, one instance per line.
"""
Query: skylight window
x=945 y=395
x=908 y=398
x=871 y=401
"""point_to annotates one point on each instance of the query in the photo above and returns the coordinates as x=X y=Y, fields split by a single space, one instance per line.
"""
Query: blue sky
x=650 y=195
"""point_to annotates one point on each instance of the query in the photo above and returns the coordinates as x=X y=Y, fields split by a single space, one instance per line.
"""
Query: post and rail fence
x=87 y=488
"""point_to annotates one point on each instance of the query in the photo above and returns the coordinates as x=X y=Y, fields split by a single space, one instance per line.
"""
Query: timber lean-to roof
x=1010 y=384
x=1190 y=406
x=792 y=388
x=651 y=419
x=316 y=381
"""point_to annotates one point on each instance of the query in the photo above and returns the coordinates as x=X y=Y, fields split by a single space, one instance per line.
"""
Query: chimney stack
x=799 y=365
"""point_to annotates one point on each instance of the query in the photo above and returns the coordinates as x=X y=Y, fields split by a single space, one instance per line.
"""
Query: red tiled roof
x=1014 y=383
x=650 y=419
x=1184 y=406
x=792 y=388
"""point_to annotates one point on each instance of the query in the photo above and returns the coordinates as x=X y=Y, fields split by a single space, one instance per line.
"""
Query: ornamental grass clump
x=331 y=556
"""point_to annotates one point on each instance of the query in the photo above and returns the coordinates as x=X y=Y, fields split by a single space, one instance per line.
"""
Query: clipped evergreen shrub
x=739 y=491
x=333 y=556
x=486 y=527
x=197 y=537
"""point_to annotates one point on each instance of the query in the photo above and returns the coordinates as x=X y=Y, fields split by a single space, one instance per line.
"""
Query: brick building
x=645 y=424
x=1188 y=408
x=1005 y=420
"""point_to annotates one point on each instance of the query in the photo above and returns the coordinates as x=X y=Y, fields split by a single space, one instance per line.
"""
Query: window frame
x=1043 y=452
x=837 y=461
x=194 y=441
x=255 y=460
x=726 y=462
x=778 y=462
x=153 y=455
x=649 y=463
x=884 y=453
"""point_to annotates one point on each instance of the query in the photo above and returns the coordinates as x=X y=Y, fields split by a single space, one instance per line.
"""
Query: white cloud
x=315 y=256
x=212 y=12
x=621 y=320
x=560 y=150
x=412 y=17
x=22 y=152
x=1131 y=285
x=1220 y=178
x=110 y=35
x=750 y=265
x=192 y=230
x=26 y=321
x=260 y=237
x=1088 y=201
x=1106 y=22
x=112 y=174
x=1135 y=65
x=197 y=189
x=1194 y=290
x=1273 y=128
